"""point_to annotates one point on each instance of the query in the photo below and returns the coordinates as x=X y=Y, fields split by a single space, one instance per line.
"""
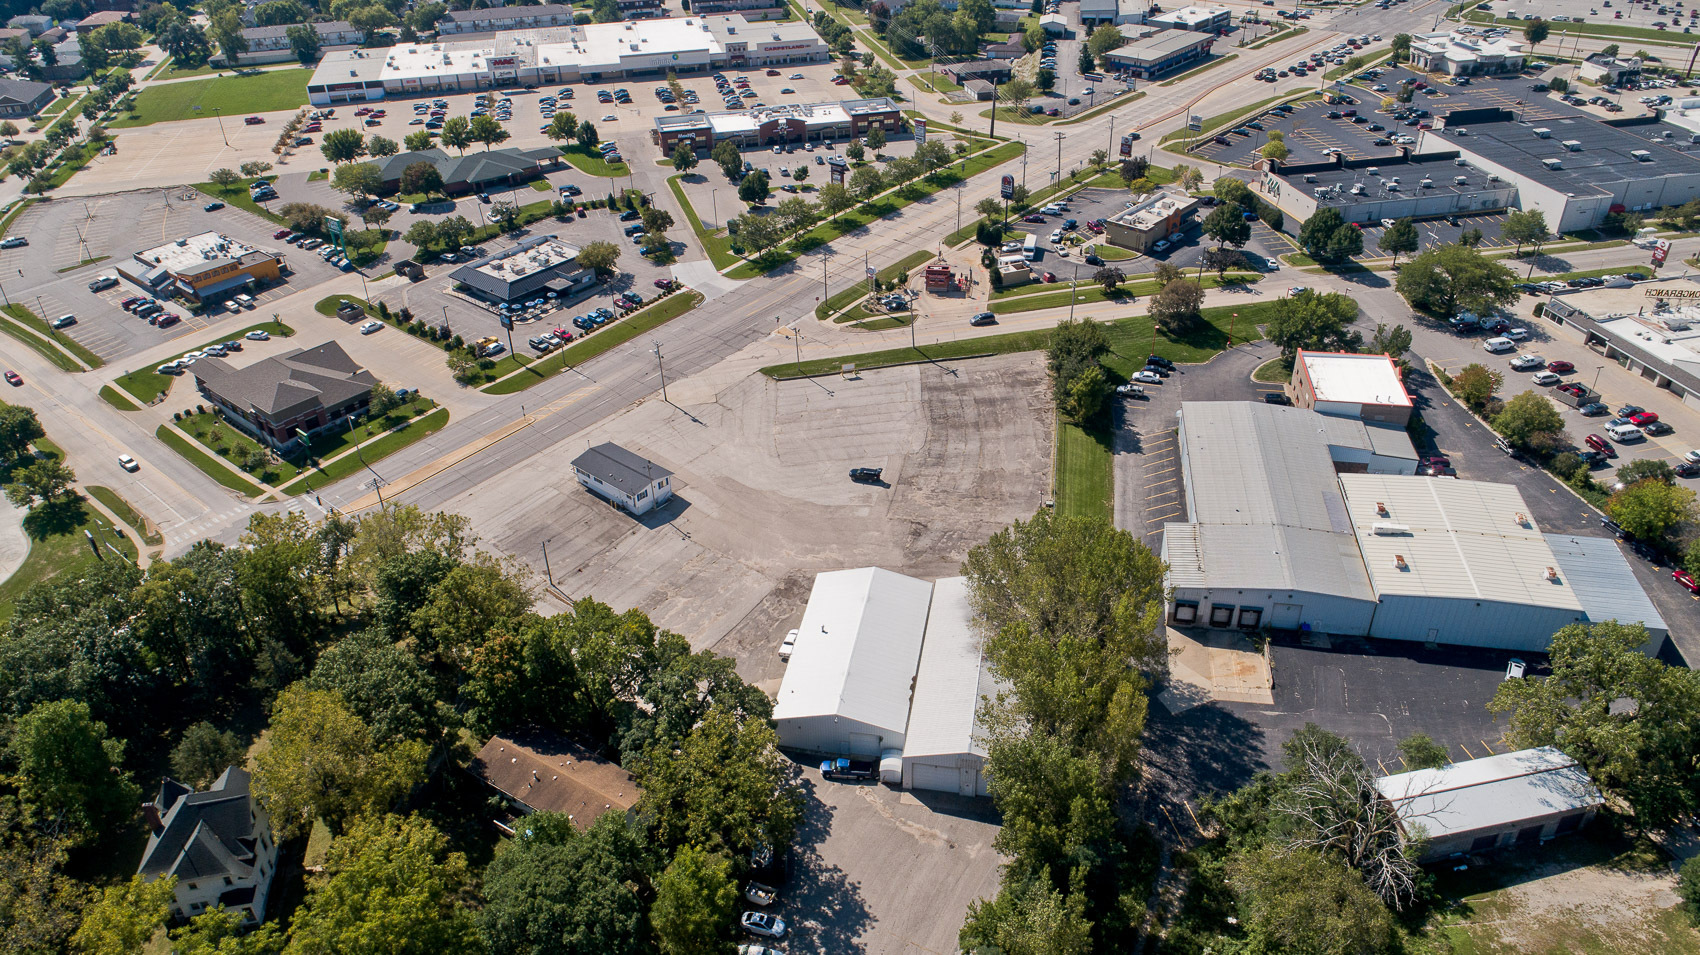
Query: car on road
x=1526 y=362
x=764 y=924
x=14 y=242
x=866 y=475
x=371 y=327
x=13 y=379
x=1146 y=377
x=1560 y=367
x=983 y=318
x=212 y=207
x=258 y=335
x=1546 y=378
x=128 y=463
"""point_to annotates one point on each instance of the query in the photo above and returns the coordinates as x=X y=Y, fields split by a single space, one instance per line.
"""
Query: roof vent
x=1382 y=529
x=1552 y=573
x=1399 y=562
x=1381 y=508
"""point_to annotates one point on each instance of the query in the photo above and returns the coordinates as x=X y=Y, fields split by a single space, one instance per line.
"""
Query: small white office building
x=1517 y=799
x=624 y=479
x=847 y=686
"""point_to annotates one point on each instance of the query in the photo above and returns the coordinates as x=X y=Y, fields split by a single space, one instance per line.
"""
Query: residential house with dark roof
x=308 y=389
x=626 y=480
x=218 y=843
x=475 y=171
x=100 y=18
x=539 y=771
x=23 y=97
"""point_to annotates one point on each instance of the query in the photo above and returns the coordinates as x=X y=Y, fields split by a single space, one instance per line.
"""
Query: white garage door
x=942 y=778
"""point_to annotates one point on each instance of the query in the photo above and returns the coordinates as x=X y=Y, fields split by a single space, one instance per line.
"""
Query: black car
x=1094 y=260
x=1160 y=371
x=1686 y=469
x=630 y=215
x=866 y=475
x=1160 y=361
x=1276 y=398
x=983 y=318
x=1656 y=428
x=212 y=206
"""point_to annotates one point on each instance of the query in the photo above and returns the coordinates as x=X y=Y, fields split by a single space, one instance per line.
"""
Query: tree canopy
x=1452 y=278
x=1314 y=321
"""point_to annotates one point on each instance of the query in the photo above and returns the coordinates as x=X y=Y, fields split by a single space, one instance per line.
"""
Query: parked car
x=866 y=475
x=1560 y=367
x=1515 y=668
x=764 y=924
x=1146 y=377
x=1546 y=378
x=212 y=207
x=370 y=327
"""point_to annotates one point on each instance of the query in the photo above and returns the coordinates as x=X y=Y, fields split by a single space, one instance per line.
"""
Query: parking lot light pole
x=663 y=369
x=220 y=117
x=546 y=571
x=1597 y=371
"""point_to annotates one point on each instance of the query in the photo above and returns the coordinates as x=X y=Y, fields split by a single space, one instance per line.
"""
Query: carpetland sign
x=920 y=130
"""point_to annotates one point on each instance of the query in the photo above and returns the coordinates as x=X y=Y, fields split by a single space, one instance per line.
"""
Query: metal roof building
x=1520 y=798
x=944 y=748
x=1458 y=562
x=847 y=687
x=1600 y=575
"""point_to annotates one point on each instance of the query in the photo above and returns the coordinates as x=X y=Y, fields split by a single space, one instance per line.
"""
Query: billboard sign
x=1009 y=187
x=920 y=131
x=1127 y=146
x=1661 y=251
x=333 y=227
x=507 y=322
x=1195 y=122
x=837 y=174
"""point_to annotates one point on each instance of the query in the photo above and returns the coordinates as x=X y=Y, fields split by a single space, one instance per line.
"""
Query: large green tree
x=1452 y=278
x=390 y=886
x=204 y=752
x=343 y=145
x=1525 y=227
x=361 y=179
x=1227 y=225
x=1630 y=719
x=19 y=428
x=485 y=129
x=1028 y=917
x=386 y=687
x=457 y=133
x=696 y=899
x=1328 y=237
x=1529 y=421
x=1073 y=610
x=724 y=787
x=126 y=915
x=69 y=774
x=1297 y=900
x=1649 y=509
x=1400 y=238
x=1314 y=321
x=556 y=890
x=1476 y=384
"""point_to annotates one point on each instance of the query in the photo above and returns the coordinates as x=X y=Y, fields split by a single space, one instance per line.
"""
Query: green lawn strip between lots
x=72 y=268
x=61 y=553
x=1674 y=37
x=41 y=345
x=1189 y=74
x=70 y=162
x=1029 y=298
x=117 y=400
x=874 y=210
x=591 y=164
x=374 y=451
x=111 y=500
x=1213 y=123
x=228 y=97
x=211 y=468
x=146 y=384
x=40 y=326
x=232 y=442
x=585 y=349
x=718 y=247
x=1102 y=108
x=6 y=223
x=237 y=195
x=1130 y=340
x=1084 y=478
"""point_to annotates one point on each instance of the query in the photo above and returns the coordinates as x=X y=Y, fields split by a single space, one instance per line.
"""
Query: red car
x=562 y=333
x=1048 y=277
x=1560 y=367
x=312 y=128
x=281 y=233
x=379 y=112
x=362 y=111
x=1033 y=218
x=254 y=120
x=1682 y=577
x=1601 y=445
x=772 y=72
x=13 y=379
x=1644 y=419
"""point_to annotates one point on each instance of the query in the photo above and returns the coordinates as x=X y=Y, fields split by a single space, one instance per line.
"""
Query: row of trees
x=370 y=650
x=925 y=29
x=1072 y=609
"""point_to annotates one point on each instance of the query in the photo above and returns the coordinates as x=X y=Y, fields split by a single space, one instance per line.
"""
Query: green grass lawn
x=327 y=306
x=117 y=400
x=717 y=245
x=206 y=69
x=192 y=453
x=1223 y=119
x=620 y=332
x=146 y=384
x=1675 y=37
x=129 y=515
x=58 y=106
x=1012 y=300
x=71 y=162
x=64 y=550
x=1131 y=339
x=1275 y=371
x=847 y=297
x=373 y=451
x=591 y=163
x=231 y=443
x=1189 y=74
x=39 y=325
x=70 y=268
x=237 y=195
x=232 y=97
x=1084 y=481
x=1113 y=253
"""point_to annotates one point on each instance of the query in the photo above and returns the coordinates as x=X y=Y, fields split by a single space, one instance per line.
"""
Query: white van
x=1622 y=433
x=1499 y=344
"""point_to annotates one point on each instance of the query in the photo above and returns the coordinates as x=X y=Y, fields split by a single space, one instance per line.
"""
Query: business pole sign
x=837 y=174
x=920 y=131
x=1127 y=146
x=1661 y=250
x=1009 y=187
x=1195 y=122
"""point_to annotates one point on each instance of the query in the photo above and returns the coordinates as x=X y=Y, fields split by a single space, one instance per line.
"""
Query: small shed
x=626 y=480
x=1522 y=798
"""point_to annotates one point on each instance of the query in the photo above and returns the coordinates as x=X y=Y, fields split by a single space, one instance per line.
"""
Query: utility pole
x=1060 y=138
x=797 y=346
x=825 y=291
x=994 y=133
x=663 y=368
x=546 y=571
x=1074 y=292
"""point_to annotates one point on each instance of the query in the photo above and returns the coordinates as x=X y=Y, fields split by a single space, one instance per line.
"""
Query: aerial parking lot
x=1674 y=18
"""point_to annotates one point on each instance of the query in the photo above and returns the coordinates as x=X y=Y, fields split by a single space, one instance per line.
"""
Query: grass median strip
x=1092 y=293
x=718 y=247
x=594 y=165
x=39 y=325
x=1213 y=123
x=1084 y=480
x=585 y=349
x=17 y=210
x=147 y=384
x=72 y=268
x=42 y=346
x=112 y=397
x=226 y=97
x=1130 y=340
x=1189 y=74
x=373 y=451
x=238 y=195
x=111 y=500
x=208 y=465
x=845 y=298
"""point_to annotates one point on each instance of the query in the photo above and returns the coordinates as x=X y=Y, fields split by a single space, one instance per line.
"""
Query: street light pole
x=546 y=571
x=663 y=368
x=1074 y=292
x=220 y=117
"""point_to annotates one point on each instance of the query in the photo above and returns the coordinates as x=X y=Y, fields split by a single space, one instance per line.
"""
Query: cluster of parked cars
x=1547 y=288
x=154 y=312
x=327 y=251
x=592 y=320
x=178 y=365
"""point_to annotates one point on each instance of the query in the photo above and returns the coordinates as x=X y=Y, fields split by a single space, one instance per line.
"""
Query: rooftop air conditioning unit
x=1552 y=163
x=1373 y=171
x=1459 y=180
x=1572 y=145
x=1543 y=133
x=1427 y=183
x=1459 y=162
x=1392 y=187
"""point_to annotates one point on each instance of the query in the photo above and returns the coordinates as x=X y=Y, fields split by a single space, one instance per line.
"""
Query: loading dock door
x=938 y=778
x=1285 y=616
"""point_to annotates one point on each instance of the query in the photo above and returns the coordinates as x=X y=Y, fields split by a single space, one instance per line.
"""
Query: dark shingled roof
x=20 y=91
x=482 y=166
x=290 y=383
x=203 y=834
x=620 y=468
x=548 y=773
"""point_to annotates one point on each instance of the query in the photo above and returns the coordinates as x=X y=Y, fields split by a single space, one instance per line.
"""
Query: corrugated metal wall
x=1470 y=623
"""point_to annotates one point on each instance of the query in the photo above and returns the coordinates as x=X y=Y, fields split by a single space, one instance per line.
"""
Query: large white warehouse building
x=1291 y=527
x=887 y=665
